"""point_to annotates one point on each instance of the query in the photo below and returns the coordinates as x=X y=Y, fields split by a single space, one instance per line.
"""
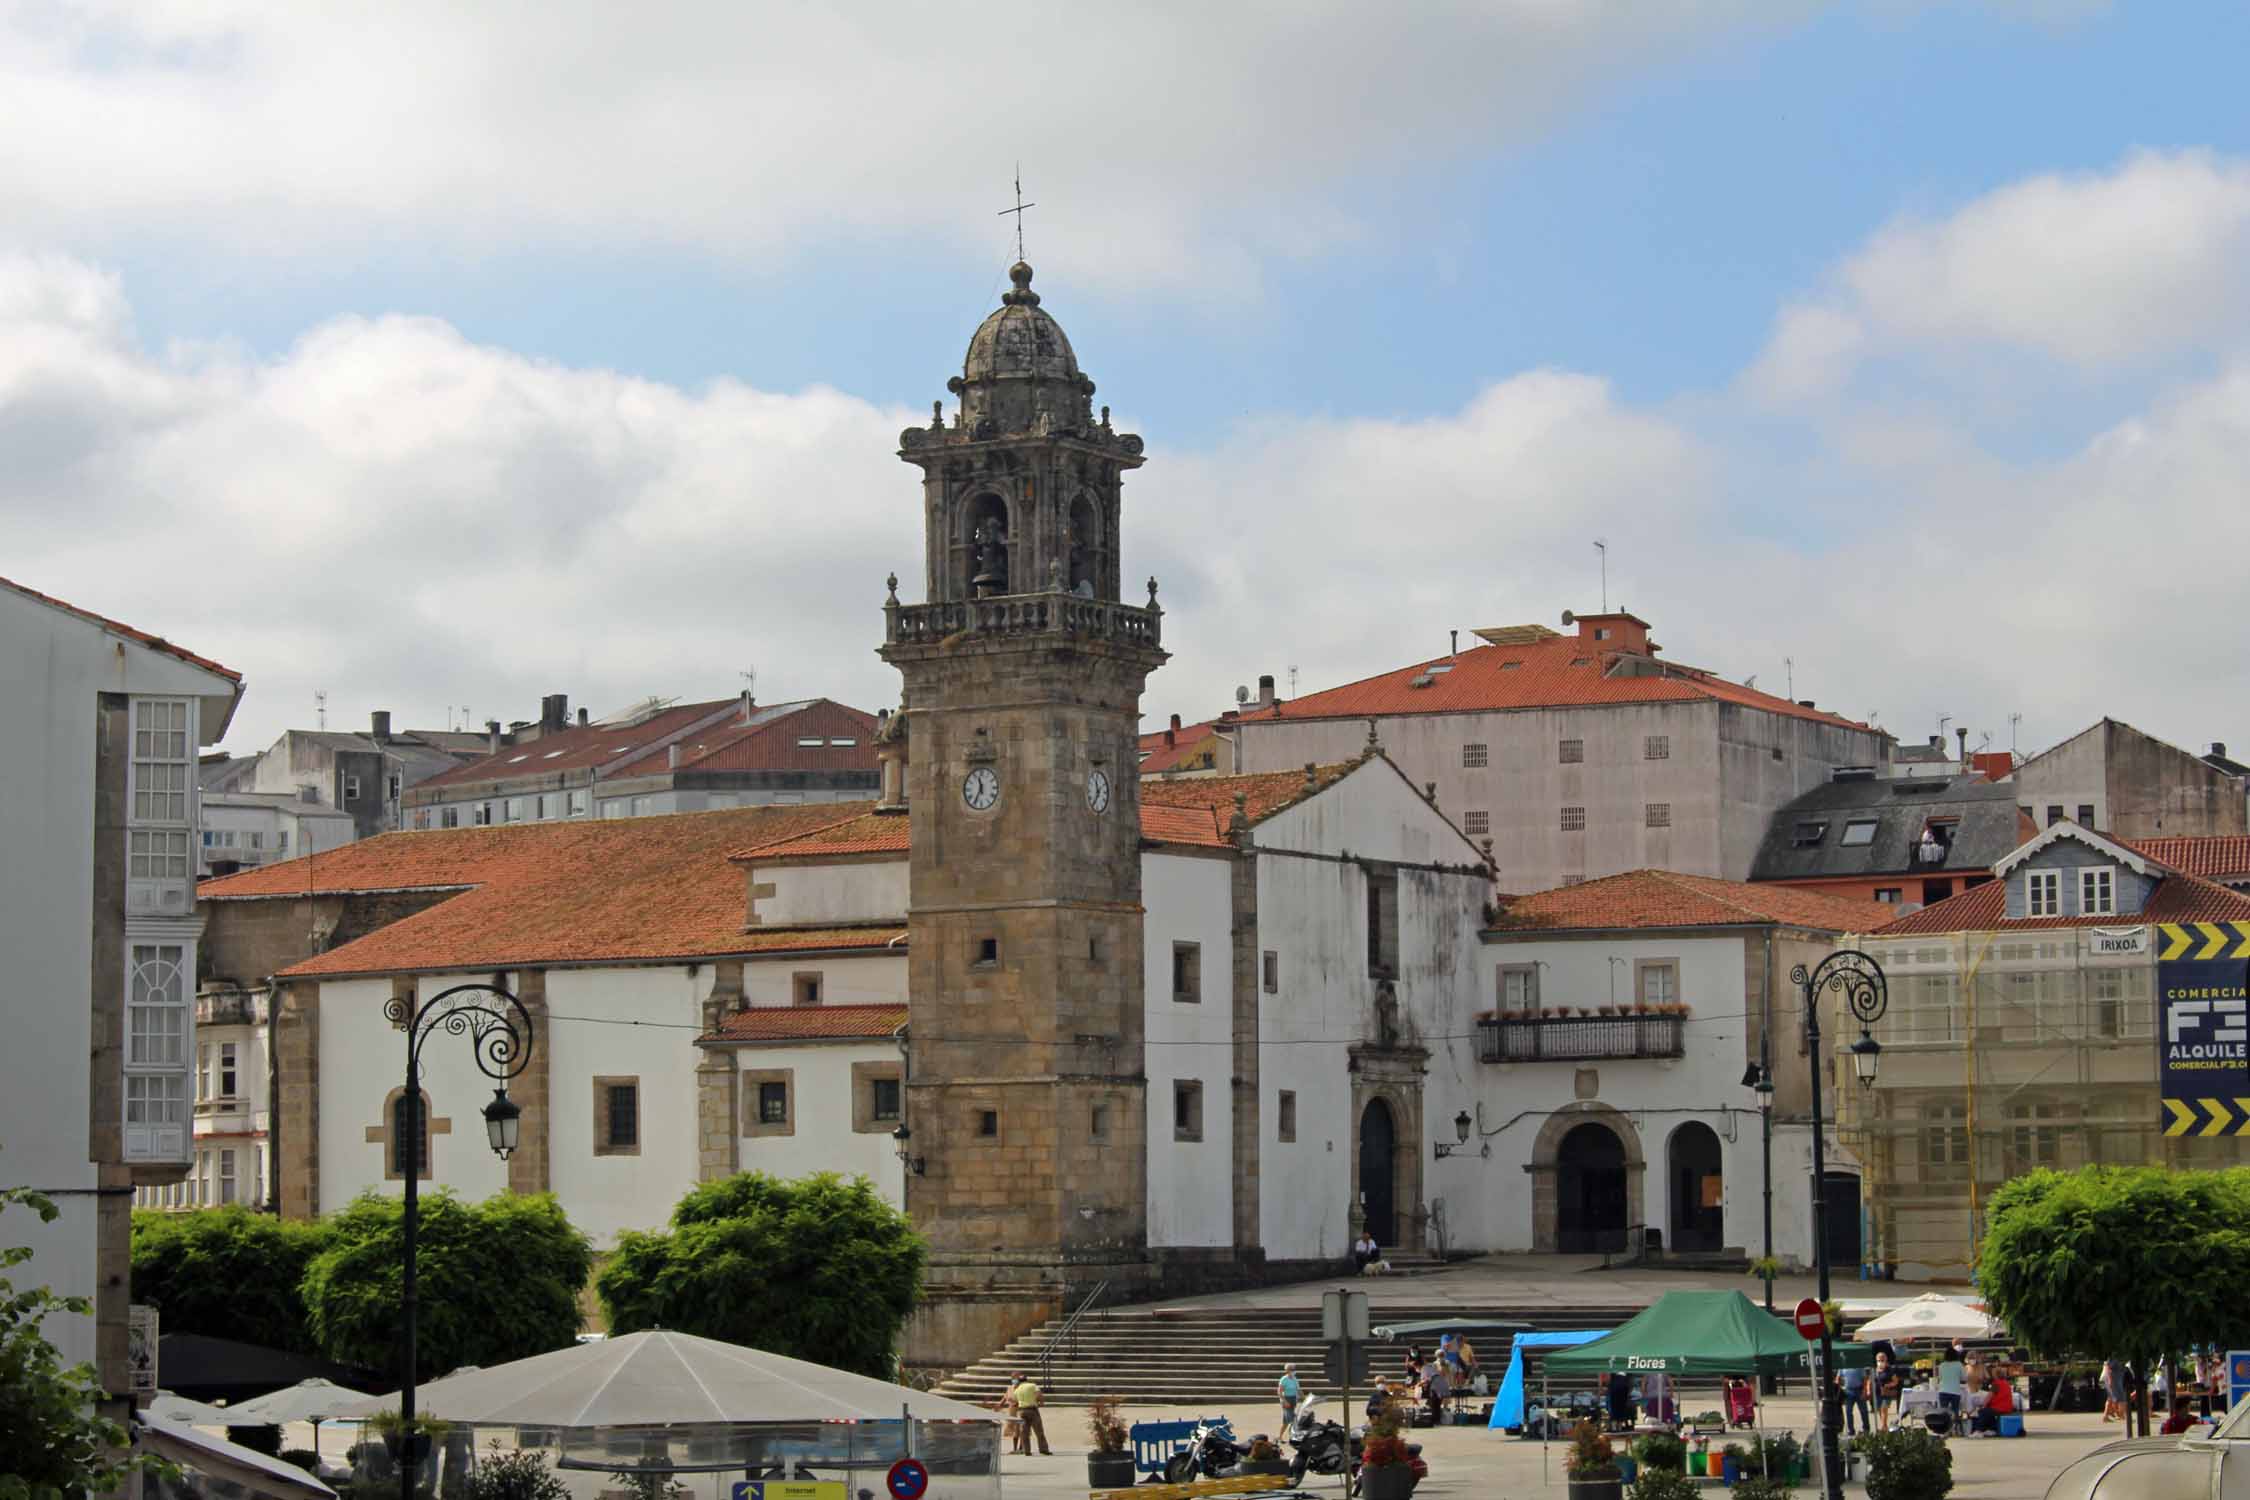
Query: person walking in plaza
x=1884 y=1379
x=1950 y=1376
x=1854 y=1383
x=1027 y=1398
x=2113 y=1390
x=1289 y=1392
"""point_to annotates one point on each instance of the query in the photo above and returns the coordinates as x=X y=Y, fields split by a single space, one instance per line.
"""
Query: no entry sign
x=907 y=1479
x=1811 y=1322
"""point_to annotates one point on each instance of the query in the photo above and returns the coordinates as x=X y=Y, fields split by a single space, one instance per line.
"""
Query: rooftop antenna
x=2013 y=721
x=1942 y=721
x=1789 y=676
x=1292 y=682
x=1603 y=548
x=320 y=708
x=1018 y=210
x=749 y=680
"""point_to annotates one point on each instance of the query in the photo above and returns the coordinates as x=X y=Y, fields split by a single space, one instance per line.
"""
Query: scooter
x=1212 y=1449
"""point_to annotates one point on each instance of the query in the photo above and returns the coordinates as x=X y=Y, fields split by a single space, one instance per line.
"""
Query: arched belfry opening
x=1085 y=543
x=984 y=547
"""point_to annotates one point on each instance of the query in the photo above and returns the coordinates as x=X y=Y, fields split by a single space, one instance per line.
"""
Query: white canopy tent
x=218 y=1459
x=1933 y=1315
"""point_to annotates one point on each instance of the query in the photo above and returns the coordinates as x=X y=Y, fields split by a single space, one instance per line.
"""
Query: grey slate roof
x=1987 y=830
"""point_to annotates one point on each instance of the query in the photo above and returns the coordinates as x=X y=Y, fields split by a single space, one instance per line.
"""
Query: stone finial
x=1488 y=851
x=1021 y=294
x=937 y=416
x=891 y=583
x=1105 y=419
x=1152 y=591
x=1374 y=741
x=1429 y=792
x=1240 y=823
x=1312 y=776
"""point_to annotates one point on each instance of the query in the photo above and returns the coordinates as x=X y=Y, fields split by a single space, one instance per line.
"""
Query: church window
x=882 y=1103
x=1656 y=747
x=988 y=953
x=1094 y=949
x=773 y=1103
x=1097 y=1122
x=1658 y=814
x=1571 y=752
x=1285 y=1114
x=1272 y=972
x=1476 y=822
x=805 y=989
x=409 y=1141
x=1475 y=755
x=988 y=1123
x=878 y=1097
x=769 y=1101
x=1187 y=1110
x=617 y=1117
x=1187 y=973
x=1574 y=820
x=1382 y=922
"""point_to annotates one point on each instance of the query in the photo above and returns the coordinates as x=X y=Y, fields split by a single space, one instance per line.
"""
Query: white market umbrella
x=662 y=1378
x=194 y=1413
x=1933 y=1315
x=315 y=1401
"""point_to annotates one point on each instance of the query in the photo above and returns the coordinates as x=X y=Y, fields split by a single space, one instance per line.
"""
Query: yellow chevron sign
x=2207 y=1116
x=2201 y=940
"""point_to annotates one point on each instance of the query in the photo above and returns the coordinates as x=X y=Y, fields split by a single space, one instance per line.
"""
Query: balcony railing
x=1510 y=1039
x=1023 y=614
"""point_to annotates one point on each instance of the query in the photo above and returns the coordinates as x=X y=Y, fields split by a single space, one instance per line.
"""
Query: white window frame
x=1863 y=827
x=581 y=802
x=159 y=768
x=2105 y=877
x=160 y=1052
x=229 y=1073
x=226 y=1176
x=512 y=810
x=2042 y=893
x=351 y=787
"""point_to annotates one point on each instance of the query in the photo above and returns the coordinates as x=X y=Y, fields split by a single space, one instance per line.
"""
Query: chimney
x=1453 y=646
x=672 y=756
x=1265 y=690
x=1804 y=702
x=1937 y=742
x=749 y=702
x=1964 y=738
x=2219 y=748
x=554 y=712
x=492 y=735
x=379 y=725
x=1175 y=723
x=582 y=718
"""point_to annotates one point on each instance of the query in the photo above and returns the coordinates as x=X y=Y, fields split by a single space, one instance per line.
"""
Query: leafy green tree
x=228 y=1272
x=497 y=1281
x=817 y=1268
x=51 y=1442
x=2140 y=1262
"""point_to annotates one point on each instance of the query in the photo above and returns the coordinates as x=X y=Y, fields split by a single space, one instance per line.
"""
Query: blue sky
x=1941 y=299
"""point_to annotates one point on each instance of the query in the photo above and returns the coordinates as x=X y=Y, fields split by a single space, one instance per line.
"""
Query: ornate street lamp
x=500 y=1039
x=1461 y=1123
x=900 y=1139
x=1857 y=980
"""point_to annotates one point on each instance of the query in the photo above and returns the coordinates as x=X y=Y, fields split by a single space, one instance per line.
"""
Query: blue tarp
x=1507 y=1407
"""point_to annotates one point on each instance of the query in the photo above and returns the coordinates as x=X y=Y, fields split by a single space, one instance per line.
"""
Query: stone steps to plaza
x=1205 y=1354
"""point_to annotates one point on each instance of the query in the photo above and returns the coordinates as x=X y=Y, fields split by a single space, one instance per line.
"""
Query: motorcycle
x=1319 y=1446
x=1211 y=1450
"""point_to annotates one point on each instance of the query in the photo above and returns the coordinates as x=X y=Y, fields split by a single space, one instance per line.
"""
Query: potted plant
x=1662 y=1450
x=407 y=1445
x=1699 y=1455
x=1591 y=1468
x=1908 y=1464
x=1757 y=1487
x=1109 y=1454
x=1732 y=1461
x=1386 y=1469
x=1263 y=1458
x=1665 y=1484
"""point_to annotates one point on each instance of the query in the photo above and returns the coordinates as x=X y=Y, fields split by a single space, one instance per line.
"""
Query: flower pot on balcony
x=1114 y=1471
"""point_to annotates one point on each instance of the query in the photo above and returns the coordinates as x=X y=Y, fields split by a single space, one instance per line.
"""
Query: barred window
x=1574 y=820
x=1476 y=822
x=1656 y=747
x=1659 y=814
x=1475 y=755
x=1571 y=751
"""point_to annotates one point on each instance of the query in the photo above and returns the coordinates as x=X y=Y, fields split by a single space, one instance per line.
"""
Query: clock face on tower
x=981 y=788
x=1097 y=791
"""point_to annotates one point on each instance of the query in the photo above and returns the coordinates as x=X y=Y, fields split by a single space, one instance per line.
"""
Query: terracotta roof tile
x=1264 y=792
x=1555 y=671
x=1159 y=753
x=795 y=1023
x=2214 y=857
x=773 y=744
x=576 y=748
x=1659 y=898
x=153 y=642
x=586 y=891
x=1984 y=908
x=861 y=833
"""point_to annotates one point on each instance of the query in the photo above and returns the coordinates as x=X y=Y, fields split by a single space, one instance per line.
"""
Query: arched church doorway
x=1590 y=1191
x=1378 y=1166
x=1696 y=1183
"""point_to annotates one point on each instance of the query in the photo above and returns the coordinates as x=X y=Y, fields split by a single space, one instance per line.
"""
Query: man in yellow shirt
x=1026 y=1396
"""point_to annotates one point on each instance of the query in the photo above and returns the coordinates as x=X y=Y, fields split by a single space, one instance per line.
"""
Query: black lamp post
x=1759 y=1082
x=1858 y=980
x=901 y=1139
x=499 y=1033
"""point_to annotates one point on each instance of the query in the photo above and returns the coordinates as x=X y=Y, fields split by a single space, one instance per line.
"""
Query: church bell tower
x=1026 y=1091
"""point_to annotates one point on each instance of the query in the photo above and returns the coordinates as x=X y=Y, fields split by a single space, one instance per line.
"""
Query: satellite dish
x=1568 y=619
x=1242 y=695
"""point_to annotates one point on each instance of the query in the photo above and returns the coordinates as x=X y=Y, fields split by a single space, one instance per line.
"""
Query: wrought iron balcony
x=1023 y=615
x=1532 y=1038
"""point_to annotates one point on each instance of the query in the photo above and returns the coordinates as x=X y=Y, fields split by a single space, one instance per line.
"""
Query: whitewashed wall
x=1190 y=1184
x=824 y=1141
x=848 y=891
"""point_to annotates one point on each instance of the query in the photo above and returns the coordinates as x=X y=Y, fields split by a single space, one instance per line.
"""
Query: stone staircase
x=1204 y=1354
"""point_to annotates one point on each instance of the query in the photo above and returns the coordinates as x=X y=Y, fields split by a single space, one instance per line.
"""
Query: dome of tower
x=1020 y=340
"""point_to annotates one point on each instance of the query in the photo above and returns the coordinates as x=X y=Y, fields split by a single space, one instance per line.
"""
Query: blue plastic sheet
x=1507 y=1407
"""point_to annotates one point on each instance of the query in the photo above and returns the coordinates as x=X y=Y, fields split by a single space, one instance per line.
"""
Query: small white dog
x=1376 y=1268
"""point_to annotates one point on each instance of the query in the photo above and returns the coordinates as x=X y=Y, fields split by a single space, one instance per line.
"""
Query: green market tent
x=1700 y=1333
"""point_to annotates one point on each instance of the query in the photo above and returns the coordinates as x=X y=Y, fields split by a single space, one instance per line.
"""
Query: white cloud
x=1163 y=141
x=2098 y=271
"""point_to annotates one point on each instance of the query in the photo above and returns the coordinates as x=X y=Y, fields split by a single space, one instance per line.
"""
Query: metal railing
x=1069 y=1331
x=1509 y=1039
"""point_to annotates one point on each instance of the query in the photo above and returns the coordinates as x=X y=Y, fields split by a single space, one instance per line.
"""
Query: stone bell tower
x=1026 y=1092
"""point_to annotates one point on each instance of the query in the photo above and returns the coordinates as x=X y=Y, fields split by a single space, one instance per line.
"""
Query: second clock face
x=981 y=788
x=1097 y=790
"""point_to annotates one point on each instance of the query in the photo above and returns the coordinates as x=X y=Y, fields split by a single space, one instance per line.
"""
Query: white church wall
x=362 y=1062
x=820 y=1137
x=876 y=979
x=848 y=891
x=1190 y=1183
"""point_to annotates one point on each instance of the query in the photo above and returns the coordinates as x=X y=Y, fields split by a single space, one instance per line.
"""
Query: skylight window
x=1808 y=835
x=553 y=753
x=519 y=759
x=845 y=743
x=809 y=742
x=1858 y=831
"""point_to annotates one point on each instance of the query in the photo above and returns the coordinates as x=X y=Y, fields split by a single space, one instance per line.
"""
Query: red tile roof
x=2214 y=857
x=153 y=642
x=1659 y=898
x=773 y=745
x=1547 y=671
x=1984 y=908
x=1159 y=754
x=795 y=1023
x=1196 y=812
x=587 y=891
x=574 y=749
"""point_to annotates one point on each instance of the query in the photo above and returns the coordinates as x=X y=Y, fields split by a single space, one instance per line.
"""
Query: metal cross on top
x=1018 y=210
